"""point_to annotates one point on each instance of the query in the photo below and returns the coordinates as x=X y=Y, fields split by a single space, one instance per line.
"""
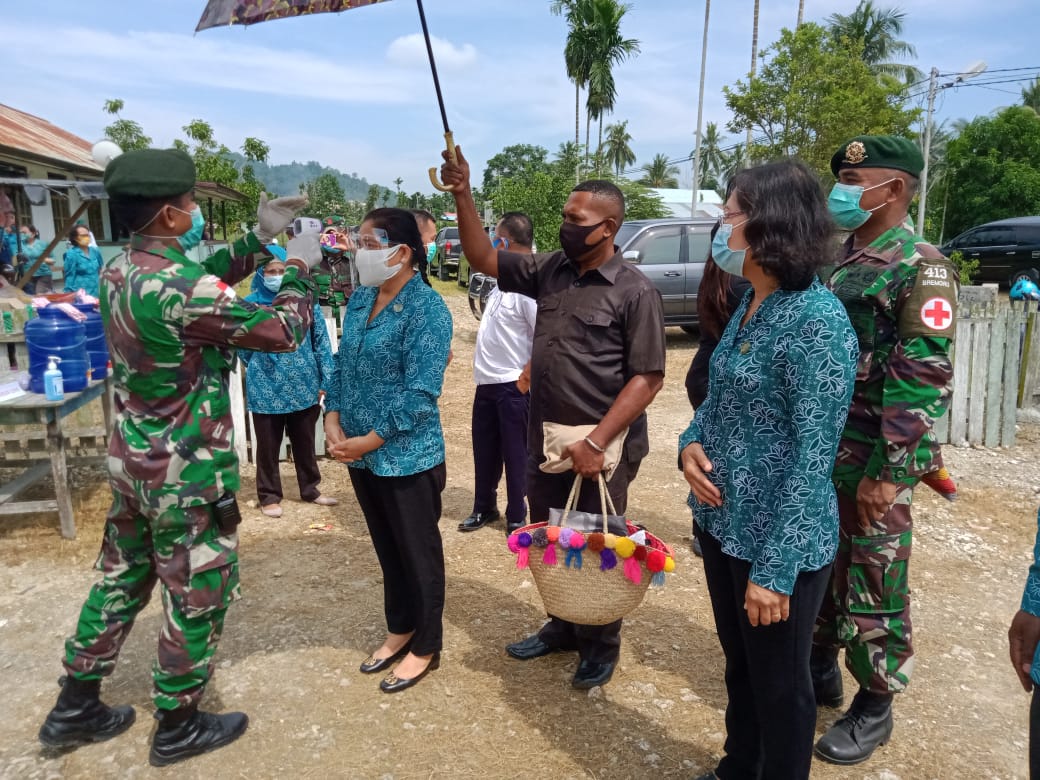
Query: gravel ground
x=312 y=611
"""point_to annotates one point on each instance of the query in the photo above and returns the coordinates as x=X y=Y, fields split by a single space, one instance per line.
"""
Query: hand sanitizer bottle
x=53 y=387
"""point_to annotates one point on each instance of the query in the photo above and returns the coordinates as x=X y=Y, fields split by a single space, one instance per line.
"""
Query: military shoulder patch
x=931 y=307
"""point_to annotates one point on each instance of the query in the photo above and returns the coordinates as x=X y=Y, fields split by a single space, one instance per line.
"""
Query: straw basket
x=591 y=579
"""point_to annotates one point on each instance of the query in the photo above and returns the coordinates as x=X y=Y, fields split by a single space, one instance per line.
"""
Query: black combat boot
x=826 y=676
x=855 y=735
x=80 y=717
x=186 y=732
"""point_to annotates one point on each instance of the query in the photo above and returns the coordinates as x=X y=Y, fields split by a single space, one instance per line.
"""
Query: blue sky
x=354 y=91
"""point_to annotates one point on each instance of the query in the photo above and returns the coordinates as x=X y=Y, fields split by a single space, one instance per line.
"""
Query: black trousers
x=500 y=440
x=598 y=644
x=1034 y=735
x=268 y=430
x=402 y=515
x=771 y=712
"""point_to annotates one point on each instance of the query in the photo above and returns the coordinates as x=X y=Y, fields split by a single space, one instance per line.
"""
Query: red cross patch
x=937 y=313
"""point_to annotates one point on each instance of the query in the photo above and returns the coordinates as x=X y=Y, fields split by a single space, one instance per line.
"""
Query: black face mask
x=572 y=239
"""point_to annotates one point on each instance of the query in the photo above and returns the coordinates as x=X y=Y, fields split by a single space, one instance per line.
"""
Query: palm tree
x=733 y=163
x=609 y=49
x=877 y=30
x=659 y=172
x=1031 y=95
x=713 y=159
x=577 y=53
x=618 y=152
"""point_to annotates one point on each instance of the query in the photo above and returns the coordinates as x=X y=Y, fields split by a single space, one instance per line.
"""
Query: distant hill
x=286 y=179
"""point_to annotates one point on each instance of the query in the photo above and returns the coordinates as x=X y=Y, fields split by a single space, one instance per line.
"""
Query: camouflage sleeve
x=214 y=315
x=322 y=346
x=1031 y=595
x=425 y=352
x=234 y=265
x=918 y=384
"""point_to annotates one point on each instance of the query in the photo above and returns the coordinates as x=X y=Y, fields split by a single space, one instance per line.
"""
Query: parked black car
x=1007 y=249
x=446 y=262
x=671 y=252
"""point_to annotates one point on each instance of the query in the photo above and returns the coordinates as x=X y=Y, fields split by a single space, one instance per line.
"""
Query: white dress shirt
x=504 y=338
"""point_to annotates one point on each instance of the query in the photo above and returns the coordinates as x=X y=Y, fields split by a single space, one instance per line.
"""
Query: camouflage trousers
x=197 y=568
x=868 y=609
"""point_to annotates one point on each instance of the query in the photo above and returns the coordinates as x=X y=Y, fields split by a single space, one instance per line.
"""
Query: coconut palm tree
x=577 y=52
x=734 y=163
x=713 y=159
x=618 y=152
x=878 y=30
x=659 y=172
x=1031 y=95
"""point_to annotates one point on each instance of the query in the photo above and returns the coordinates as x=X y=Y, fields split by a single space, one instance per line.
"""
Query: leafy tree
x=713 y=159
x=371 y=197
x=994 y=169
x=877 y=30
x=127 y=133
x=1031 y=95
x=541 y=195
x=660 y=173
x=618 y=153
x=517 y=160
x=812 y=93
x=640 y=202
x=326 y=197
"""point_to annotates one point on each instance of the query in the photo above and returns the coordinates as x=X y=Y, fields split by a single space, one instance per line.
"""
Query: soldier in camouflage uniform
x=901 y=297
x=172 y=326
x=335 y=276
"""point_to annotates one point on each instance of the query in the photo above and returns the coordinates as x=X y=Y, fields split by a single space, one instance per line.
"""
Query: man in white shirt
x=502 y=371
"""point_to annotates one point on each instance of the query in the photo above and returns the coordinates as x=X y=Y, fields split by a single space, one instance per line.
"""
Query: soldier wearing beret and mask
x=172 y=325
x=901 y=297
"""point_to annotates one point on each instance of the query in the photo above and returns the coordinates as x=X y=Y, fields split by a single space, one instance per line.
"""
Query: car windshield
x=450 y=233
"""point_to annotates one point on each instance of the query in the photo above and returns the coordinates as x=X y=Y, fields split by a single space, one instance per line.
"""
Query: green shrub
x=966 y=269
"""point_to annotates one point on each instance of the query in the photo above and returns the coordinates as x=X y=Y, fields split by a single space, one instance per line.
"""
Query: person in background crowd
x=1024 y=643
x=901 y=297
x=428 y=231
x=10 y=235
x=283 y=392
x=173 y=325
x=758 y=457
x=335 y=276
x=81 y=266
x=32 y=247
x=502 y=372
x=598 y=359
x=382 y=420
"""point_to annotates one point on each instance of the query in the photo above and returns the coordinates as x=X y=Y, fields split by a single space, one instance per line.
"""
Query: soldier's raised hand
x=274 y=216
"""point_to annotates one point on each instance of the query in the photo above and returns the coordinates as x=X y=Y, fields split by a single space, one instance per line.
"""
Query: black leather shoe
x=826 y=677
x=510 y=527
x=590 y=674
x=479 y=520
x=857 y=733
x=392 y=683
x=708 y=776
x=695 y=545
x=80 y=717
x=181 y=735
x=532 y=647
x=372 y=664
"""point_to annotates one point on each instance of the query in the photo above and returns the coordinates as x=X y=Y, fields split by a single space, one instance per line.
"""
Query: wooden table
x=32 y=409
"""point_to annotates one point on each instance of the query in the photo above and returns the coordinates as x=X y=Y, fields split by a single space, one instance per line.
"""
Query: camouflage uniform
x=172 y=326
x=901 y=298
x=335 y=277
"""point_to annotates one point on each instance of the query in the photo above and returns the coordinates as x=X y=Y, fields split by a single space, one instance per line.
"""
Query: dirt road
x=312 y=610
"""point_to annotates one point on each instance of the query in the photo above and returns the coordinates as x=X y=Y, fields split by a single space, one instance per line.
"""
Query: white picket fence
x=996 y=369
x=242 y=420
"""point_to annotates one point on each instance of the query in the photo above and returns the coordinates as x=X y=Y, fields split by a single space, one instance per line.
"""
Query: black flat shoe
x=479 y=520
x=371 y=665
x=590 y=674
x=392 y=683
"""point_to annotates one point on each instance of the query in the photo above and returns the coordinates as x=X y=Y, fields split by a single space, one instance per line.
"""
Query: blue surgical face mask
x=431 y=251
x=843 y=203
x=193 y=235
x=273 y=282
x=729 y=260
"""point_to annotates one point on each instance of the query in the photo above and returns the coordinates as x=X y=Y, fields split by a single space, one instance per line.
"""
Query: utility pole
x=923 y=200
x=700 y=114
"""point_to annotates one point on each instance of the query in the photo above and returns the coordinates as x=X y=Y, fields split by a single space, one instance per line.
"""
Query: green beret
x=879 y=151
x=334 y=221
x=150 y=173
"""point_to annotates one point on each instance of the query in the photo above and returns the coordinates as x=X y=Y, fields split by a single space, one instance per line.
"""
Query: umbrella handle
x=449 y=141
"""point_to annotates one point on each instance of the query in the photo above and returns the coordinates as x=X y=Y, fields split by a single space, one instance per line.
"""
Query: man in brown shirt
x=598 y=359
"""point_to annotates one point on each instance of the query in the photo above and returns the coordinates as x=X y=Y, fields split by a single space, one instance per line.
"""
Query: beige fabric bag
x=558 y=437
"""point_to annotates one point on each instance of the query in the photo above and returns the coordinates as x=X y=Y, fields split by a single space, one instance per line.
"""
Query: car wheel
x=693 y=330
x=442 y=272
x=464 y=280
x=1027 y=273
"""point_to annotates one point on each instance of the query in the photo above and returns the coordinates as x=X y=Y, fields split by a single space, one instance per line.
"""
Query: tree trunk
x=801 y=13
x=588 y=123
x=754 y=66
x=599 y=148
x=577 y=133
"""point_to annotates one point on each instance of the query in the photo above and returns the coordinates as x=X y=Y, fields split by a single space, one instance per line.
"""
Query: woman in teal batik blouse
x=382 y=420
x=758 y=457
x=1024 y=638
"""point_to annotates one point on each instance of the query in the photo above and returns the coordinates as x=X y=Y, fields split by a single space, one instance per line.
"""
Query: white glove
x=274 y=216
x=306 y=247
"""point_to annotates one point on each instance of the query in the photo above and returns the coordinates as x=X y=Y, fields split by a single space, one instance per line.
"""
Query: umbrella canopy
x=220 y=12
x=246 y=12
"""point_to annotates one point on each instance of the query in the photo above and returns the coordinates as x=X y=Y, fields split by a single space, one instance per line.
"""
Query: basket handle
x=605 y=501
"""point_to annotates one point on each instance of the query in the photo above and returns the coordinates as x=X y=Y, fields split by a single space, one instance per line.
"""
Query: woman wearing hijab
x=382 y=420
x=284 y=391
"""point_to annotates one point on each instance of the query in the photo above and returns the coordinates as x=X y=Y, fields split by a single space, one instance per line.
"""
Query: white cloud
x=410 y=51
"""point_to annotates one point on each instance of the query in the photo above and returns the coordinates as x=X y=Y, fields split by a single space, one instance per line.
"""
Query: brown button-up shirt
x=594 y=332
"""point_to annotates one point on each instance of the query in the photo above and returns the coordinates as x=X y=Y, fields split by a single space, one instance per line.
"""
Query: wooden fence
x=996 y=370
